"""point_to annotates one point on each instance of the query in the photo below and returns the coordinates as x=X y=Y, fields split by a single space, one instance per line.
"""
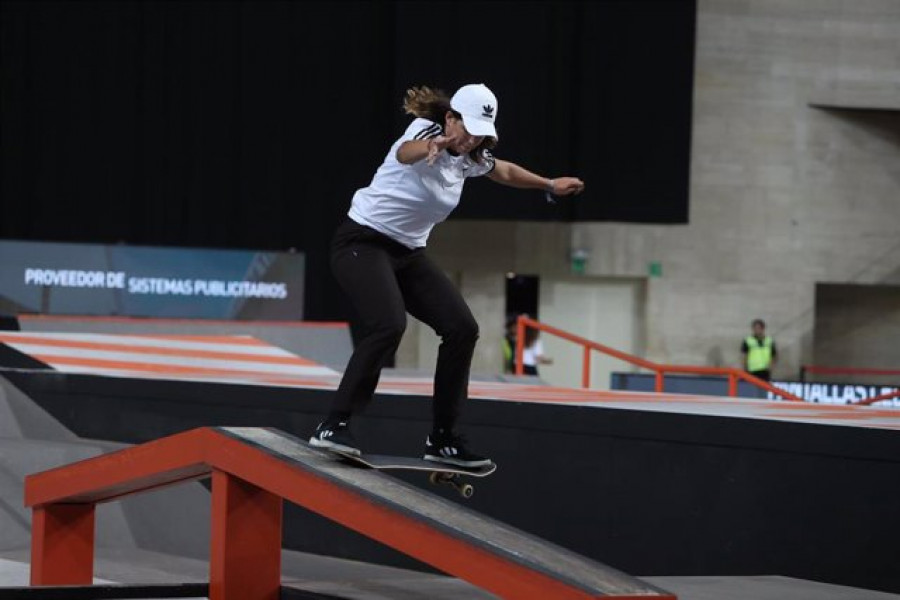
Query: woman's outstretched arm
x=513 y=175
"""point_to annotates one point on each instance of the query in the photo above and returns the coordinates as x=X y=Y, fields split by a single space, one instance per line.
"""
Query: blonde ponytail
x=426 y=103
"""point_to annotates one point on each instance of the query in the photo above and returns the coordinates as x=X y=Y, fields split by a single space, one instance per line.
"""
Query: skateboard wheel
x=434 y=478
x=466 y=490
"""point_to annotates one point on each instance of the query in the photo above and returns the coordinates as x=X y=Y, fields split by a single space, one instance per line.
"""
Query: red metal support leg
x=62 y=544
x=586 y=368
x=520 y=345
x=732 y=385
x=245 y=553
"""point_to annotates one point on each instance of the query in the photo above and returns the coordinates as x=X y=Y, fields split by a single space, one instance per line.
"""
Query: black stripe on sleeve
x=428 y=133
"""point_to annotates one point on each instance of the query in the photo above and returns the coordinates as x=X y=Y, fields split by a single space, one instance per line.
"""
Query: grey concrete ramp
x=174 y=520
x=21 y=418
x=32 y=440
x=15 y=521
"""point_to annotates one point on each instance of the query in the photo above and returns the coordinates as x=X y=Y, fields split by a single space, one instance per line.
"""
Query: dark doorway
x=522 y=293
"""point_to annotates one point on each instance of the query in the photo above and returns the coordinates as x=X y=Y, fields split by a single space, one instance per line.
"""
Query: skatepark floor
x=337 y=578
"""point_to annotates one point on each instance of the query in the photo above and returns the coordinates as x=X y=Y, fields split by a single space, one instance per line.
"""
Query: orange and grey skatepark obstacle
x=253 y=470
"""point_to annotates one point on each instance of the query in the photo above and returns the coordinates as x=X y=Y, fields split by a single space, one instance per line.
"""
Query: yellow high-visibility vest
x=759 y=354
x=509 y=359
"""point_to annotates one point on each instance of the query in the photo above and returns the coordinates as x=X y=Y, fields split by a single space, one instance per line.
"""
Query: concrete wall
x=858 y=325
x=783 y=195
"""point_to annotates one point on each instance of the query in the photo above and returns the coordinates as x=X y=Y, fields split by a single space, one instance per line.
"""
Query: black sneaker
x=336 y=437
x=450 y=449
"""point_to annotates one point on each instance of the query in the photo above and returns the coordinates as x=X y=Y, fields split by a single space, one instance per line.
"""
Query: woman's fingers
x=435 y=145
x=570 y=185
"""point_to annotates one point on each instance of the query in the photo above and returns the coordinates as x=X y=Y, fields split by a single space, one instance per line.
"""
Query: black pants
x=384 y=280
x=765 y=375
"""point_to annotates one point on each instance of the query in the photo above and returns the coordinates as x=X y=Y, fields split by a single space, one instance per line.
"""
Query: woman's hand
x=436 y=145
x=566 y=186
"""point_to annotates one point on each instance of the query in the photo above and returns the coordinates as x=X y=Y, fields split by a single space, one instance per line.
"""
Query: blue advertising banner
x=825 y=393
x=139 y=281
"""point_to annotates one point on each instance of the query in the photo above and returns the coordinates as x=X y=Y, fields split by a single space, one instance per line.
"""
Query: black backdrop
x=250 y=124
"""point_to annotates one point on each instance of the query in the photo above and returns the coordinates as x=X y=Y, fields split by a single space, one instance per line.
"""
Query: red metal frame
x=246 y=541
x=660 y=370
x=62 y=545
x=248 y=487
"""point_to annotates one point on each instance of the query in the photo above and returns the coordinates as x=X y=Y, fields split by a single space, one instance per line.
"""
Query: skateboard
x=438 y=473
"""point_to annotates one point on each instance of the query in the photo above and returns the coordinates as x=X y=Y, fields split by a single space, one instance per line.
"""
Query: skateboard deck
x=439 y=473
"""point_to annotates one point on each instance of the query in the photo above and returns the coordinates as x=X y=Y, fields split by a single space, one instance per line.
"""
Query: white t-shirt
x=405 y=202
x=531 y=353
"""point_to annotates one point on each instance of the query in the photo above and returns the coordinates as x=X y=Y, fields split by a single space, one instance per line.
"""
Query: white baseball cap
x=478 y=107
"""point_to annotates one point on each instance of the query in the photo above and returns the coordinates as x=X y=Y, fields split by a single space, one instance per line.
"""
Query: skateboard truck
x=438 y=473
x=453 y=480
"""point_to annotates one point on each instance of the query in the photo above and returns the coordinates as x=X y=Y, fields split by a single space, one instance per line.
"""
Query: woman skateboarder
x=378 y=258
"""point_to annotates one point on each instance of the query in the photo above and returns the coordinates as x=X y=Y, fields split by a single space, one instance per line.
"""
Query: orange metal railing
x=878 y=398
x=660 y=370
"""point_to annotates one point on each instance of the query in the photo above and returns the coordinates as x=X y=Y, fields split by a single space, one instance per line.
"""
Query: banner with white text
x=836 y=393
x=139 y=281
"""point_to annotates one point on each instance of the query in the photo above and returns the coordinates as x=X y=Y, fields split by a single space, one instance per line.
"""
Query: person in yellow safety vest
x=509 y=345
x=759 y=352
